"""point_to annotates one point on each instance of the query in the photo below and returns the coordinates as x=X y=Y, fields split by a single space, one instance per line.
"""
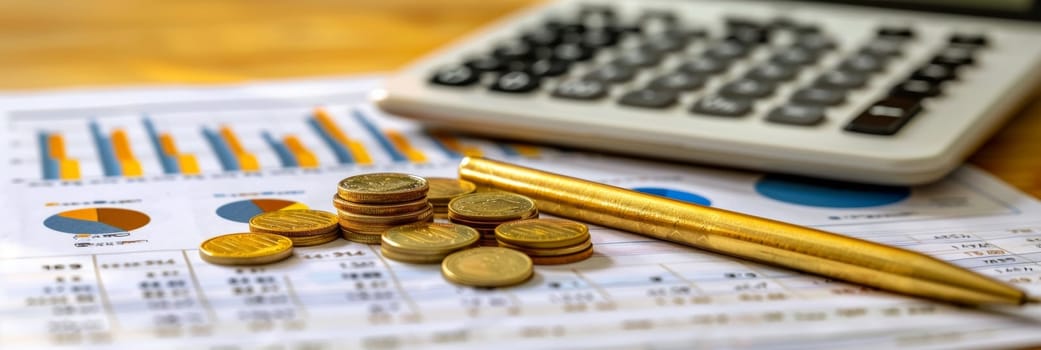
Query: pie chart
x=675 y=194
x=97 y=221
x=828 y=193
x=242 y=211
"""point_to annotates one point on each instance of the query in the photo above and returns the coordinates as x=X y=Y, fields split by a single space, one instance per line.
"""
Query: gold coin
x=443 y=189
x=294 y=222
x=365 y=238
x=411 y=258
x=382 y=188
x=307 y=241
x=563 y=259
x=487 y=267
x=429 y=238
x=533 y=252
x=489 y=206
x=542 y=233
x=378 y=209
x=427 y=210
x=250 y=248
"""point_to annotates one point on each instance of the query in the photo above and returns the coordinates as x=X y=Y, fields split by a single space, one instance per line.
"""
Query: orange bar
x=247 y=161
x=304 y=157
x=453 y=144
x=402 y=144
x=188 y=164
x=166 y=142
x=526 y=150
x=361 y=156
x=57 y=146
x=121 y=144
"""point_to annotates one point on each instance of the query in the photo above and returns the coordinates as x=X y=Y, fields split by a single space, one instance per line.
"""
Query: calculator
x=826 y=89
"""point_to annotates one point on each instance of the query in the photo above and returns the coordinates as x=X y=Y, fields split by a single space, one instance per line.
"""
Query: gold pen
x=745 y=236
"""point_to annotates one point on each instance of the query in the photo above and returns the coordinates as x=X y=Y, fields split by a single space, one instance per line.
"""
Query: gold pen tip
x=1032 y=299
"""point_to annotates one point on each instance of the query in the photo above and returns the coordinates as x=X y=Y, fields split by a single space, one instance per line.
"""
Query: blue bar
x=343 y=155
x=509 y=150
x=227 y=158
x=287 y=157
x=50 y=165
x=388 y=146
x=108 y=156
x=168 y=162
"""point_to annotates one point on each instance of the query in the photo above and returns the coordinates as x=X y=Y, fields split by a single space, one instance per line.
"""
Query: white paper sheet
x=111 y=261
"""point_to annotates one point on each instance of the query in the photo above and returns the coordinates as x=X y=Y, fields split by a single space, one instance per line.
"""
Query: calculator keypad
x=655 y=60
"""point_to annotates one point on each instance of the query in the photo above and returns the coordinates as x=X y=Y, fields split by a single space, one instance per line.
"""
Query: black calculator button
x=896 y=32
x=915 y=88
x=863 y=63
x=678 y=81
x=514 y=50
x=572 y=52
x=612 y=73
x=840 y=79
x=548 y=67
x=747 y=89
x=955 y=56
x=727 y=50
x=793 y=56
x=722 y=106
x=819 y=96
x=704 y=66
x=649 y=98
x=515 y=82
x=541 y=37
x=935 y=73
x=485 y=64
x=797 y=115
x=979 y=40
x=883 y=47
x=815 y=42
x=748 y=35
x=772 y=72
x=455 y=76
x=581 y=90
x=886 y=117
x=638 y=58
x=664 y=43
x=599 y=38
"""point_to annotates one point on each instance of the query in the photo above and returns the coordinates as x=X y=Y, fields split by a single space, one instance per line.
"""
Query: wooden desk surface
x=62 y=43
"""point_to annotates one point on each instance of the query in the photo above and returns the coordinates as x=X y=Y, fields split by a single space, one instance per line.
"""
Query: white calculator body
x=866 y=94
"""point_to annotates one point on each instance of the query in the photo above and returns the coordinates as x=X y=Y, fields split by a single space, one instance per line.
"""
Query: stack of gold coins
x=249 y=248
x=547 y=241
x=486 y=210
x=426 y=243
x=444 y=190
x=487 y=267
x=370 y=204
x=305 y=227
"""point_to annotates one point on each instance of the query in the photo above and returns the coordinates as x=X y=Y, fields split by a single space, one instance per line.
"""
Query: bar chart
x=145 y=143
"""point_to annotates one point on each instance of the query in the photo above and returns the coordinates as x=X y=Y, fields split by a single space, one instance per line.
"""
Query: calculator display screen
x=1021 y=9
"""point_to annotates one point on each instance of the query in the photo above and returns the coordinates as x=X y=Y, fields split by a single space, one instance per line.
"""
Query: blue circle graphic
x=675 y=194
x=828 y=193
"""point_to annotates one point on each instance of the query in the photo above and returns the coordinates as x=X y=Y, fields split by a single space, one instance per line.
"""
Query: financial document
x=108 y=193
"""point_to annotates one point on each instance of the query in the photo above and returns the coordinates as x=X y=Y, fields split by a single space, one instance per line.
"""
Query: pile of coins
x=370 y=204
x=249 y=248
x=426 y=243
x=485 y=211
x=487 y=267
x=305 y=227
x=547 y=241
x=444 y=190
